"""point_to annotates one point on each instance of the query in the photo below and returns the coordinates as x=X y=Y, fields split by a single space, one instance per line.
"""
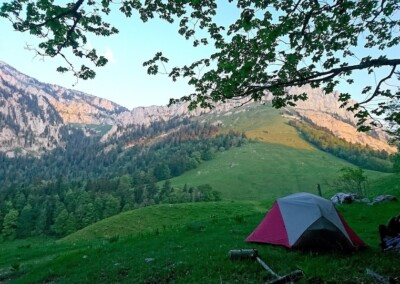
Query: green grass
x=196 y=251
x=159 y=218
x=258 y=171
x=388 y=184
x=262 y=123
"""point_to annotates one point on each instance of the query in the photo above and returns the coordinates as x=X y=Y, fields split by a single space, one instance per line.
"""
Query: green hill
x=160 y=218
x=192 y=248
x=261 y=123
x=276 y=161
x=259 y=171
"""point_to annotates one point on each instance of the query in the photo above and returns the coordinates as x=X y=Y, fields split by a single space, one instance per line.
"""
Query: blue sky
x=124 y=80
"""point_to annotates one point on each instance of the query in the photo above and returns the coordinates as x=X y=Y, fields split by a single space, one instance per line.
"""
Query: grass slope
x=277 y=161
x=258 y=171
x=196 y=251
x=261 y=123
x=388 y=184
x=160 y=218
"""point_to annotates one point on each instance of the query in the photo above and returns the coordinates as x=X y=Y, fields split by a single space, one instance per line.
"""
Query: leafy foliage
x=270 y=46
x=353 y=180
x=394 y=117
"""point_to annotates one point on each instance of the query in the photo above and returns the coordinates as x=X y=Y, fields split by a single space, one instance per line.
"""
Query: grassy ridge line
x=162 y=217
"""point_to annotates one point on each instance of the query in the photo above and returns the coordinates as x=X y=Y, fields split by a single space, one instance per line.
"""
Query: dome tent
x=305 y=221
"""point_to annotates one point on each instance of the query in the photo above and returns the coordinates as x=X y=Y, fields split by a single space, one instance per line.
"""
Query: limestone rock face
x=73 y=106
x=146 y=115
x=29 y=123
x=324 y=110
x=32 y=113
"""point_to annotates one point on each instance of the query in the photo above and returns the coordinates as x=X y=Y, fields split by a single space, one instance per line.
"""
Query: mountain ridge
x=75 y=107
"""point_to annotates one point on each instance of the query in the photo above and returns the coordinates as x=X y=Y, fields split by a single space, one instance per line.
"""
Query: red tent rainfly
x=305 y=221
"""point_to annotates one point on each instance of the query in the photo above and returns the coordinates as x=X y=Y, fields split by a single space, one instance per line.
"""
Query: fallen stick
x=253 y=254
x=380 y=278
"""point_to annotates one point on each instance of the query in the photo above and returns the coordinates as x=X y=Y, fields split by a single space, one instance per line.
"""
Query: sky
x=124 y=80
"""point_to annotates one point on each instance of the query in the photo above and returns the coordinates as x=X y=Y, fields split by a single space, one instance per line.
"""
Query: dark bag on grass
x=390 y=234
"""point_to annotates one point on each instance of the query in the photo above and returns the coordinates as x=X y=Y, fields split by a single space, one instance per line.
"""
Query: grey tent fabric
x=312 y=208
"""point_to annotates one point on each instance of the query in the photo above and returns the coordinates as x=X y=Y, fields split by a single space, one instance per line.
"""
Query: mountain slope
x=29 y=123
x=32 y=113
x=260 y=170
x=73 y=106
x=80 y=108
x=324 y=110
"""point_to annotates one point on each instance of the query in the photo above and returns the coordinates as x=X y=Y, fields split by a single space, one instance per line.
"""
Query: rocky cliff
x=29 y=123
x=32 y=113
x=73 y=106
x=324 y=110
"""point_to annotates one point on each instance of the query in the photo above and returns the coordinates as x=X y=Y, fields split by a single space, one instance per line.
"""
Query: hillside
x=160 y=218
x=259 y=170
x=165 y=217
x=261 y=123
x=192 y=247
x=277 y=161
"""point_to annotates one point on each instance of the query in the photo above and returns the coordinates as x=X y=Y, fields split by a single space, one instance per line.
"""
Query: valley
x=160 y=195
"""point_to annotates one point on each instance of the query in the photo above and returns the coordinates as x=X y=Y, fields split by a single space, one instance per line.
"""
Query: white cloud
x=109 y=55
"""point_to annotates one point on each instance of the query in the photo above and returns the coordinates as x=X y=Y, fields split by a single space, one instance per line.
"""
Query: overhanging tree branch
x=376 y=92
x=301 y=34
x=327 y=75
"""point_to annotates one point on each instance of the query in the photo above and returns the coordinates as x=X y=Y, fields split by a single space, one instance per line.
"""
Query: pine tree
x=41 y=222
x=112 y=206
x=60 y=225
x=10 y=224
x=25 y=222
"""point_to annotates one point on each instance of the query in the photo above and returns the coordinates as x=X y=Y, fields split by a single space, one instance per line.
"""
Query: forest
x=71 y=188
x=359 y=155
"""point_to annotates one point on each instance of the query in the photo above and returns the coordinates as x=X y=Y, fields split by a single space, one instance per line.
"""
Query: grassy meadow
x=276 y=161
x=261 y=123
x=258 y=171
x=192 y=248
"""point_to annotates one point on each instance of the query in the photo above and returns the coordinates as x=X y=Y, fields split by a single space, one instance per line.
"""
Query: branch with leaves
x=272 y=45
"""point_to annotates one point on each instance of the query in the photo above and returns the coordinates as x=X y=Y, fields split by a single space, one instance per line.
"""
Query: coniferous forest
x=87 y=180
